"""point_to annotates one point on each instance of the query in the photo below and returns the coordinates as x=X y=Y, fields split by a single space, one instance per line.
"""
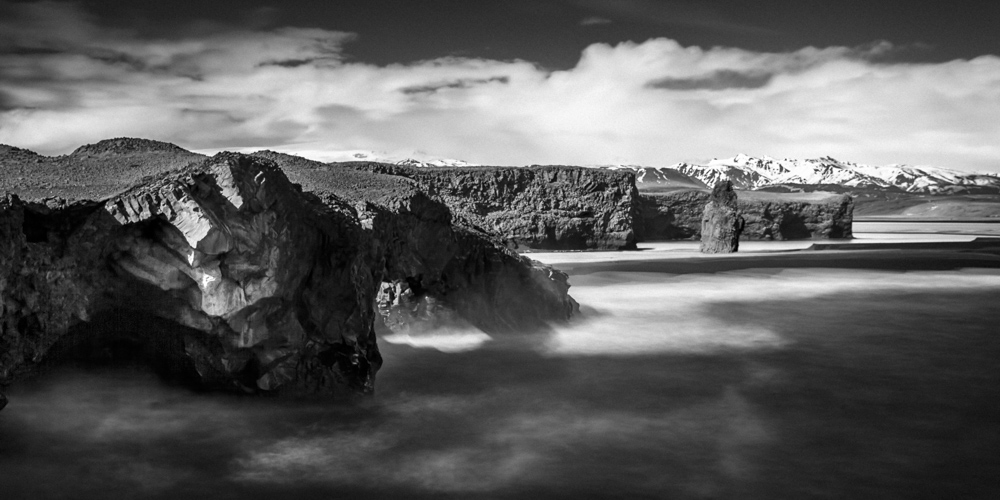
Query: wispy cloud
x=64 y=81
x=594 y=21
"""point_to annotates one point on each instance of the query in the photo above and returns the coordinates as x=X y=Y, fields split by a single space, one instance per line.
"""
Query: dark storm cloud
x=454 y=84
x=717 y=80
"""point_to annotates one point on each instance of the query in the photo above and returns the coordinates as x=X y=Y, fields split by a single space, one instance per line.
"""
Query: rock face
x=721 y=223
x=227 y=274
x=550 y=207
x=769 y=216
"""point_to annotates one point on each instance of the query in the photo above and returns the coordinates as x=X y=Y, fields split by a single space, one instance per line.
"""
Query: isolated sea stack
x=721 y=223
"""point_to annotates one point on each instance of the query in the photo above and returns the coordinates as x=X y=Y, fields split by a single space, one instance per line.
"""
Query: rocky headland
x=226 y=274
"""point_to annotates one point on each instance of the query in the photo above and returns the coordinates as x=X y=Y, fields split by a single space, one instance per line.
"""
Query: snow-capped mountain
x=747 y=172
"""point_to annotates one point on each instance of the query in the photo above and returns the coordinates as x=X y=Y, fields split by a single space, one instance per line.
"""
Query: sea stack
x=721 y=223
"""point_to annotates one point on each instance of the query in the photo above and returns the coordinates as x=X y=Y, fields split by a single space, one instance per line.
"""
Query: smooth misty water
x=752 y=383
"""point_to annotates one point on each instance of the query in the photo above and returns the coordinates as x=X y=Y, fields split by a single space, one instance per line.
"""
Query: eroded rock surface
x=721 y=223
x=227 y=273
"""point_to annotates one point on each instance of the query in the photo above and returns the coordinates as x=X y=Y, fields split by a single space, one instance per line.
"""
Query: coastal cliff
x=538 y=207
x=226 y=274
x=675 y=215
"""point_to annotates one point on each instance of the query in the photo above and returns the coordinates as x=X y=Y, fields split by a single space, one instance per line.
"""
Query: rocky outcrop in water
x=229 y=275
x=538 y=207
x=721 y=223
x=677 y=215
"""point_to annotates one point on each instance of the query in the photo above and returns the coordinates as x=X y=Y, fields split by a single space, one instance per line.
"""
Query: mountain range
x=826 y=173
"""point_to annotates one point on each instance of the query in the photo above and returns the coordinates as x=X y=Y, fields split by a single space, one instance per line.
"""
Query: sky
x=512 y=82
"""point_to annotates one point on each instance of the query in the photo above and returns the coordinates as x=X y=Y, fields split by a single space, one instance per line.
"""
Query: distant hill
x=94 y=171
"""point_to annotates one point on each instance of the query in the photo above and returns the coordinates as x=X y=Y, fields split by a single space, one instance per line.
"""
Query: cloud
x=716 y=80
x=454 y=84
x=65 y=81
x=672 y=13
x=594 y=21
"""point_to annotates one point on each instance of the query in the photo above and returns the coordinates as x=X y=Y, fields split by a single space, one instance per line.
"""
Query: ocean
x=683 y=377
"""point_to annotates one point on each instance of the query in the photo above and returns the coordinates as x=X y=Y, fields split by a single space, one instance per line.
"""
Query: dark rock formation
x=437 y=267
x=795 y=216
x=721 y=223
x=673 y=215
x=538 y=207
x=769 y=216
x=228 y=274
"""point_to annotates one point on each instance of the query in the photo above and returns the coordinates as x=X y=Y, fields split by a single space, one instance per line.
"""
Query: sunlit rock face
x=538 y=207
x=278 y=282
x=227 y=274
x=721 y=223
x=676 y=215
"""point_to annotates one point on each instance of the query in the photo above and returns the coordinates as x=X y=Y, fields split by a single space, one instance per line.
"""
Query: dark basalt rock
x=228 y=274
x=538 y=207
x=769 y=216
x=721 y=223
